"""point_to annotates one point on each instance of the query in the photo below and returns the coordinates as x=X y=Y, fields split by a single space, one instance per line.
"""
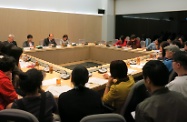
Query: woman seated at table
x=118 y=86
x=133 y=43
x=121 y=42
x=80 y=101
x=65 y=40
x=42 y=105
x=162 y=50
x=7 y=91
x=154 y=45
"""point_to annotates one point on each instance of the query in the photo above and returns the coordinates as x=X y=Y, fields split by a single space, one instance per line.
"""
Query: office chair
x=172 y=75
x=103 y=118
x=136 y=95
x=16 y=115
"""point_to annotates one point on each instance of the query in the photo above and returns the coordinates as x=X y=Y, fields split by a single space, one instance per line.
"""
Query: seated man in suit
x=49 y=40
x=10 y=40
x=29 y=42
x=163 y=105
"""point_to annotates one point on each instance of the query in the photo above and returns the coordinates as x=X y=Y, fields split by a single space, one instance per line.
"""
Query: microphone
x=102 y=70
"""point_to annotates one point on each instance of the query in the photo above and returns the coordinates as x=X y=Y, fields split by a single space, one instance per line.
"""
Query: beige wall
x=40 y=24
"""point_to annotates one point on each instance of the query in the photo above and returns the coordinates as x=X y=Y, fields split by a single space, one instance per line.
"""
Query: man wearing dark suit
x=10 y=40
x=29 y=42
x=49 y=40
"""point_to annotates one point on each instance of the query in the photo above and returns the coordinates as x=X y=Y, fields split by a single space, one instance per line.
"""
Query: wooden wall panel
x=40 y=24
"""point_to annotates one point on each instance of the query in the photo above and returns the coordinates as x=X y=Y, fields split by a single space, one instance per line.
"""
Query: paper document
x=49 y=82
x=57 y=90
x=98 y=81
x=130 y=71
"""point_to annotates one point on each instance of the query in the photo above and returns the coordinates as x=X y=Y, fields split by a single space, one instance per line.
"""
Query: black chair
x=103 y=118
x=172 y=75
x=16 y=115
x=136 y=95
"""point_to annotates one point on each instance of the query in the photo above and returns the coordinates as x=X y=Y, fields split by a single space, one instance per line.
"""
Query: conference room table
x=56 y=56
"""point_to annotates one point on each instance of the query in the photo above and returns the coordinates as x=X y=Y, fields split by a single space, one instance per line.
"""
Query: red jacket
x=120 y=44
x=7 y=91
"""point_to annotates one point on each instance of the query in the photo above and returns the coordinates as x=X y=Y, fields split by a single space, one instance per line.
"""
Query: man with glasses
x=179 y=84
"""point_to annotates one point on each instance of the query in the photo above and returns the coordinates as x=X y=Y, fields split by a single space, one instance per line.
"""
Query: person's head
x=181 y=40
x=169 y=39
x=118 y=69
x=31 y=81
x=133 y=37
x=7 y=64
x=122 y=39
x=177 y=43
x=10 y=38
x=29 y=38
x=65 y=37
x=127 y=38
x=180 y=61
x=162 y=46
x=155 y=74
x=51 y=36
x=79 y=76
x=185 y=46
x=16 y=52
x=170 y=50
x=13 y=51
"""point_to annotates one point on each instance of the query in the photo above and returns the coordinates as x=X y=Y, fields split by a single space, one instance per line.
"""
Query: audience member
x=29 y=42
x=163 y=105
x=180 y=67
x=49 y=41
x=7 y=91
x=177 y=43
x=181 y=40
x=42 y=105
x=121 y=42
x=170 y=50
x=162 y=50
x=133 y=42
x=118 y=86
x=154 y=45
x=80 y=101
x=10 y=40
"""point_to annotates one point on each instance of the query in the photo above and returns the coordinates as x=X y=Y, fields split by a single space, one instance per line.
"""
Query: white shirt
x=179 y=84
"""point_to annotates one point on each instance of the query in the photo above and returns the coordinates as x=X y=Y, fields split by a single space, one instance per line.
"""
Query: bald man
x=49 y=40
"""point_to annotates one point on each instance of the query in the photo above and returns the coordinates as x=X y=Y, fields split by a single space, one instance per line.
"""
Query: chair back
x=58 y=41
x=136 y=95
x=147 y=41
x=142 y=44
x=103 y=118
x=16 y=115
x=41 y=42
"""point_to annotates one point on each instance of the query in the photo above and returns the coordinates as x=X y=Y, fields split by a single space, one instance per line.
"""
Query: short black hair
x=79 y=76
x=7 y=63
x=12 y=50
x=133 y=36
x=157 y=72
x=118 y=69
x=29 y=36
x=31 y=80
x=65 y=36
x=181 y=57
x=164 y=44
x=177 y=42
x=122 y=38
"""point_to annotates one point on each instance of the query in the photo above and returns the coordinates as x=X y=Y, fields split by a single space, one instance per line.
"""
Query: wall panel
x=40 y=24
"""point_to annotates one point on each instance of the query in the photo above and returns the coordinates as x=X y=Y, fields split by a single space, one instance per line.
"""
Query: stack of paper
x=99 y=81
x=130 y=71
x=49 y=82
x=57 y=90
